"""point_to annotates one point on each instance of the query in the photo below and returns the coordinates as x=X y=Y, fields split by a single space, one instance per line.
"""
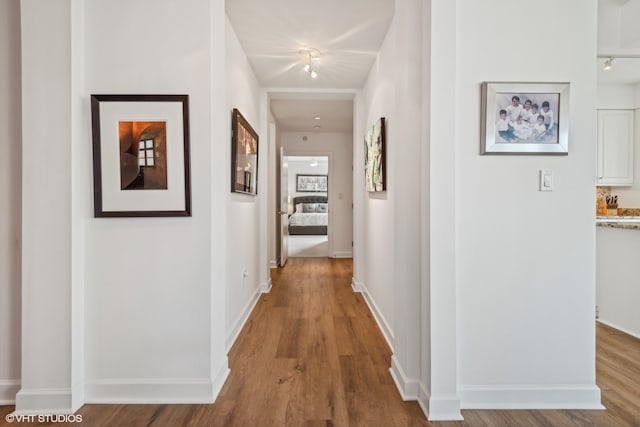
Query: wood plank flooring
x=312 y=355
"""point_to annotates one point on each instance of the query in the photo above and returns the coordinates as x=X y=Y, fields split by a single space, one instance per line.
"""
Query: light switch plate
x=546 y=180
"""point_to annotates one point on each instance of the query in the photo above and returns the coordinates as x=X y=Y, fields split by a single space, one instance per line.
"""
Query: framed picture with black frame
x=140 y=155
x=311 y=183
x=244 y=155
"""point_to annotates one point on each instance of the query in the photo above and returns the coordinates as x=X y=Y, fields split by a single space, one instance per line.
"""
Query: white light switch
x=546 y=180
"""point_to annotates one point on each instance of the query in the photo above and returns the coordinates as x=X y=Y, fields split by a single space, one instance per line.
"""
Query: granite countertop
x=629 y=225
x=630 y=222
x=627 y=218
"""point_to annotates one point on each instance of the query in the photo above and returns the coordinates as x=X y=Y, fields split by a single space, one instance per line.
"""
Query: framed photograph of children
x=140 y=155
x=244 y=155
x=524 y=118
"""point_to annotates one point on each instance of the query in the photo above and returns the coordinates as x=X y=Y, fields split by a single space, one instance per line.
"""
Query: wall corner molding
x=54 y=401
x=8 y=391
x=219 y=378
x=423 y=399
x=444 y=407
x=265 y=288
x=408 y=388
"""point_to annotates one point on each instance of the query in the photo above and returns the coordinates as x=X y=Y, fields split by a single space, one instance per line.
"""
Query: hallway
x=312 y=354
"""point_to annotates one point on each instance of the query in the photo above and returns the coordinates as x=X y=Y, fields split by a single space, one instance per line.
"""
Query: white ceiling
x=618 y=35
x=347 y=33
x=300 y=115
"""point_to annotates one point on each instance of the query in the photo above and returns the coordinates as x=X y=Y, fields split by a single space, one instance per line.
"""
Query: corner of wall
x=409 y=388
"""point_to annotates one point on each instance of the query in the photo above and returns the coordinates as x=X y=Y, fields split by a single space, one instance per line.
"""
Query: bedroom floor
x=303 y=246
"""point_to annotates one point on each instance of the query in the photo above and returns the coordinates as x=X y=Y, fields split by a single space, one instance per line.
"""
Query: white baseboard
x=407 y=387
x=273 y=264
x=220 y=378
x=265 y=288
x=150 y=391
x=530 y=396
x=614 y=326
x=8 y=391
x=48 y=401
x=343 y=254
x=244 y=315
x=423 y=399
x=444 y=408
x=377 y=314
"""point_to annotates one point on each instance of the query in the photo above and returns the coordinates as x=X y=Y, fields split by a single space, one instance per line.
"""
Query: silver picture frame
x=508 y=126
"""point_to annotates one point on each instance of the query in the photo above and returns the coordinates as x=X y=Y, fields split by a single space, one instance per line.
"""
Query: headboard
x=309 y=199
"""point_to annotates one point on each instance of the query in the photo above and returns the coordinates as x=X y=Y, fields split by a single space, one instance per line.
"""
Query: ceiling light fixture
x=608 y=63
x=310 y=54
x=313 y=163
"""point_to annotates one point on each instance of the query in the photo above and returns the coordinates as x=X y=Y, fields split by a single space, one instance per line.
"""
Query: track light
x=608 y=63
x=310 y=54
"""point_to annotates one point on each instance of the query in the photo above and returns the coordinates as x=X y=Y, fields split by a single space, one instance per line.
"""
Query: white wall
x=243 y=212
x=616 y=97
x=617 y=270
x=52 y=215
x=377 y=244
x=155 y=295
x=525 y=259
x=10 y=200
x=273 y=204
x=392 y=280
x=625 y=97
x=338 y=146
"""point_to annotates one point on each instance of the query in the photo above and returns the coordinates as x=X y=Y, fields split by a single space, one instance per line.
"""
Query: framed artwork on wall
x=374 y=157
x=311 y=183
x=244 y=155
x=524 y=118
x=140 y=155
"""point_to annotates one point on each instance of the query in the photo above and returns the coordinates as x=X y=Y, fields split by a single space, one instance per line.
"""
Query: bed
x=311 y=215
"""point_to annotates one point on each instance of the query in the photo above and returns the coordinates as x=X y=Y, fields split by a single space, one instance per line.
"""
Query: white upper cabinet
x=615 y=147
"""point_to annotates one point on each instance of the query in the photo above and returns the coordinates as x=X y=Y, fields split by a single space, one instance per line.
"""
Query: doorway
x=308 y=206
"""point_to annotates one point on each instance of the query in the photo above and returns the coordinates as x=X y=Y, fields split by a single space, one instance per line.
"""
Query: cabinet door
x=615 y=147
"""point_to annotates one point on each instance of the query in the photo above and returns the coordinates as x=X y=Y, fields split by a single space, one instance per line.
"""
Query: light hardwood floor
x=312 y=355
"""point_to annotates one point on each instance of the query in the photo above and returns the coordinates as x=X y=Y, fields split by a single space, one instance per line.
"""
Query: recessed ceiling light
x=316 y=118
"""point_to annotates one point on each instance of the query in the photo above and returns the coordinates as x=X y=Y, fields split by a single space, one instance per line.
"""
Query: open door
x=283 y=212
